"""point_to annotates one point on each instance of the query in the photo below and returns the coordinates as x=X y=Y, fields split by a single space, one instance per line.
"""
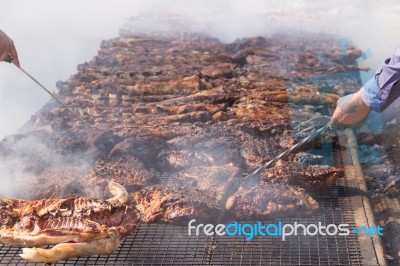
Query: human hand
x=8 y=53
x=350 y=111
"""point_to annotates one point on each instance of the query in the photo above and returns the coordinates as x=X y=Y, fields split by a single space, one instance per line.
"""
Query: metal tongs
x=285 y=153
x=251 y=179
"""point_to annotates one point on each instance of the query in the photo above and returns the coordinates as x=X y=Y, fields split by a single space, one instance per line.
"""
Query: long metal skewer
x=55 y=98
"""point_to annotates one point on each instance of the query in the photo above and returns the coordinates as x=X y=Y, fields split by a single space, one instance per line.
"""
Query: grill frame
x=162 y=244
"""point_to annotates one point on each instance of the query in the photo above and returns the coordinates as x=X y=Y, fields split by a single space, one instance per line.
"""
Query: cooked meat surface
x=67 y=223
x=175 y=204
x=314 y=178
x=217 y=181
x=263 y=200
x=210 y=112
x=200 y=150
x=54 y=184
x=126 y=170
x=144 y=149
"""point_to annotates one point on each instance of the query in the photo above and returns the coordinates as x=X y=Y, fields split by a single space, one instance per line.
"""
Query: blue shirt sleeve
x=370 y=95
x=379 y=92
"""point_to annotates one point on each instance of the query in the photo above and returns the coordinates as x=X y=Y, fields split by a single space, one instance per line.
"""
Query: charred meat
x=218 y=181
x=261 y=201
x=186 y=103
x=175 y=204
x=126 y=170
x=205 y=149
x=314 y=178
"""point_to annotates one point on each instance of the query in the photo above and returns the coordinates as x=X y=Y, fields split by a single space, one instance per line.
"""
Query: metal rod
x=55 y=98
x=286 y=152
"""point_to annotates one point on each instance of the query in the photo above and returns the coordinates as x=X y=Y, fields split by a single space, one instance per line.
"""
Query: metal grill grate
x=160 y=244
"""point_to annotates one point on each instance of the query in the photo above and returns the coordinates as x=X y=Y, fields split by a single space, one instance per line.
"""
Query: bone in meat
x=77 y=226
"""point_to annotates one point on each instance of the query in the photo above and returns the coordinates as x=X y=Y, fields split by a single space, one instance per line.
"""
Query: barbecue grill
x=162 y=244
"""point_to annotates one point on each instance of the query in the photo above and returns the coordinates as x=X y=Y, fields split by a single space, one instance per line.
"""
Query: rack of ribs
x=76 y=226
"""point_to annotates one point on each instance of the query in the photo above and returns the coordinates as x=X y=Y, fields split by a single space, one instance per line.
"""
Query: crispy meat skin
x=34 y=223
x=70 y=250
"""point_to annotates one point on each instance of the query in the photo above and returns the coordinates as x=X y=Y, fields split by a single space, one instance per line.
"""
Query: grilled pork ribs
x=76 y=226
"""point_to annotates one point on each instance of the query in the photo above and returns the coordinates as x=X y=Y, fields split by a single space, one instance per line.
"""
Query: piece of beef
x=257 y=151
x=143 y=148
x=54 y=184
x=268 y=200
x=66 y=182
x=314 y=178
x=126 y=170
x=189 y=151
x=175 y=204
x=218 y=181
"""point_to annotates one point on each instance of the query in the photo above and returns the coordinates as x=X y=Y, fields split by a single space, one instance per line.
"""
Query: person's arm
x=7 y=49
x=383 y=89
x=376 y=94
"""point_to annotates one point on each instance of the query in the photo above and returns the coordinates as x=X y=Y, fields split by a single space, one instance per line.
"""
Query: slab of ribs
x=76 y=226
x=206 y=112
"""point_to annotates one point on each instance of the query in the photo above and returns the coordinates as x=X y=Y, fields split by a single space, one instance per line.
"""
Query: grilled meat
x=185 y=103
x=257 y=151
x=144 y=149
x=77 y=226
x=125 y=170
x=263 y=200
x=314 y=178
x=200 y=150
x=218 y=181
x=175 y=204
x=92 y=182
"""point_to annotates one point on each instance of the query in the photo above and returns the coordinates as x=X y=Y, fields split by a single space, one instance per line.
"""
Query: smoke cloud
x=25 y=156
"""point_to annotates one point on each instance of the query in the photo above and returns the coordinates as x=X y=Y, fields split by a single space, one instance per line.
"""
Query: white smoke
x=25 y=156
